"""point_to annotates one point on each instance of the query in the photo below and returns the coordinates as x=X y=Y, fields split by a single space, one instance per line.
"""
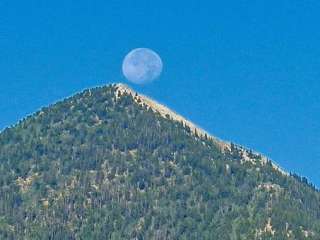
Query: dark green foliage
x=100 y=166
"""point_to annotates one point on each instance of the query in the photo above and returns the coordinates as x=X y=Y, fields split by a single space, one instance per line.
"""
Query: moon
x=142 y=65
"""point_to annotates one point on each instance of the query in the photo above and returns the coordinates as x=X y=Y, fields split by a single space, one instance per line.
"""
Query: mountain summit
x=109 y=163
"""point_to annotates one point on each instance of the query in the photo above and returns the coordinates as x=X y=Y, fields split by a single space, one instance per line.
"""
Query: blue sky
x=246 y=71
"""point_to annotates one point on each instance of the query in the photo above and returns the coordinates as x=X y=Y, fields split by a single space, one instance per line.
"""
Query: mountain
x=109 y=163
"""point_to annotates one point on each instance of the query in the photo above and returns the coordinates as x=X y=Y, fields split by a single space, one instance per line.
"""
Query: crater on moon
x=142 y=65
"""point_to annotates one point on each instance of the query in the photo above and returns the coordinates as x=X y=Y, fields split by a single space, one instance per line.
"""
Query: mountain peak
x=167 y=112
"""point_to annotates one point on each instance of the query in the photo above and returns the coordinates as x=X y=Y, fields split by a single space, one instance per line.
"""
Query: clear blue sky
x=246 y=71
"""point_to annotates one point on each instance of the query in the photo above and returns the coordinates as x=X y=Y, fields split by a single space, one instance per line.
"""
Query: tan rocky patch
x=25 y=184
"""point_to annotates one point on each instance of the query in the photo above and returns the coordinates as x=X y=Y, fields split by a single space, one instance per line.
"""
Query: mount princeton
x=109 y=163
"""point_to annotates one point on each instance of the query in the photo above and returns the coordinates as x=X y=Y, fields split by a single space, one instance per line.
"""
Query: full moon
x=142 y=65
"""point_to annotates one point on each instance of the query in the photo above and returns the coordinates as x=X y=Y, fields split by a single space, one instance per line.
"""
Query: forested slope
x=104 y=165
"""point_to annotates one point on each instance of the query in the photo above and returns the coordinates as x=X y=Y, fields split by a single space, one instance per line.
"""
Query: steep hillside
x=109 y=163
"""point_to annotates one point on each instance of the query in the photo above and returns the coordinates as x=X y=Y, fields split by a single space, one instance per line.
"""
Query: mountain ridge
x=164 y=110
